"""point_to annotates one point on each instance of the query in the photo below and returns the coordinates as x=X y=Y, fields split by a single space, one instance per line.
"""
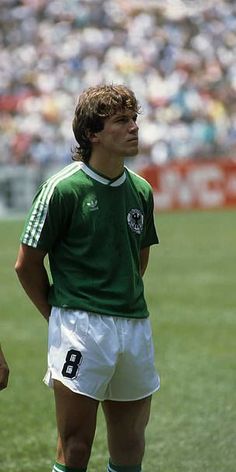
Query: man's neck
x=110 y=168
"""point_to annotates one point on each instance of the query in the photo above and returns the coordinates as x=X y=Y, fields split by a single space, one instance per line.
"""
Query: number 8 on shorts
x=73 y=360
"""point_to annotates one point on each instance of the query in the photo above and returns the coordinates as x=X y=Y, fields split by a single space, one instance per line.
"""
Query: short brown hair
x=95 y=105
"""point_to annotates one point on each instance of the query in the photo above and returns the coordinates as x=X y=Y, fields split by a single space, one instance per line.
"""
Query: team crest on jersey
x=135 y=220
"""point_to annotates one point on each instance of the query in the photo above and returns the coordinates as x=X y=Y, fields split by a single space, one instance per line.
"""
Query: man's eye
x=126 y=119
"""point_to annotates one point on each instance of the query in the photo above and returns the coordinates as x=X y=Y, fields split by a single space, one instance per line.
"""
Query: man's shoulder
x=138 y=180
x=65 y=178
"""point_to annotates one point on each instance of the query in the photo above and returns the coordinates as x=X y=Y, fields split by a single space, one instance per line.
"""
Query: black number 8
x=73 y=360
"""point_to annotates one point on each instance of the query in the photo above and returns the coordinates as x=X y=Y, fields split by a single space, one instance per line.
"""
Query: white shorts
x=102 y=357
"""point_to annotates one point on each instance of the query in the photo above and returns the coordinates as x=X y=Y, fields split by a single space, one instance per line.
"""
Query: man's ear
x=93 y=137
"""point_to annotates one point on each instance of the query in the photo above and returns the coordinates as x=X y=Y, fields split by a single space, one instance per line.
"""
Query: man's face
x=120 y=134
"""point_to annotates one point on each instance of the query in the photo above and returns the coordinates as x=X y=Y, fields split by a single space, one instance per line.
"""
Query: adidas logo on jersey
x=92 y=205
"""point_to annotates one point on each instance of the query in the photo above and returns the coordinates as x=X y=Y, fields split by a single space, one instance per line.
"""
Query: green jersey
x=93 y=230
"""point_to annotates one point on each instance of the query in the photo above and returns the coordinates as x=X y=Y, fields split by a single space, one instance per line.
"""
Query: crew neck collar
x=101 y=178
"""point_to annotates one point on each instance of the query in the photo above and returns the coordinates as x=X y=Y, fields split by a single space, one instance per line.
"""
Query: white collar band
x=103 y=180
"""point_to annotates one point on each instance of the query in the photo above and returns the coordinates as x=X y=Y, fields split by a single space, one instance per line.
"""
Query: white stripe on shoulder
x=56 y=469
x=39 y=213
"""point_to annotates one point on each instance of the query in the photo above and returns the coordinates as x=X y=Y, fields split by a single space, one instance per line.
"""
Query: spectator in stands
x=179 y=60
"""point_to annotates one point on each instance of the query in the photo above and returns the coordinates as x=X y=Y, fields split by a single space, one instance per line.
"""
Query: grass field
x=190 y=288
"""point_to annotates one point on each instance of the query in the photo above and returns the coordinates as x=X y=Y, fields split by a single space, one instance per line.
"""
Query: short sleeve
x=46 y=220
x=150 y=234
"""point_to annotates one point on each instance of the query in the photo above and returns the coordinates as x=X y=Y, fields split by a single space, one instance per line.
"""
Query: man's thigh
x=126 y=424
x=127 y=416
x=76 y=414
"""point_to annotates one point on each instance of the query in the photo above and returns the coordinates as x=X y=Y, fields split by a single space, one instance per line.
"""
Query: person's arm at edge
x=4 y=370
x=33 y=277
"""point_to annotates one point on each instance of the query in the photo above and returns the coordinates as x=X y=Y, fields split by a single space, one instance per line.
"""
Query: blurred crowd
x=177 y=56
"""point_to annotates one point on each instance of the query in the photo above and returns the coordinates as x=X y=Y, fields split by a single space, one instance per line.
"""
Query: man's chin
x=132 y=154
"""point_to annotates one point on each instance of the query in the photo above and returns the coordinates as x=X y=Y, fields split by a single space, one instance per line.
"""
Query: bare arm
x=144 y=257
x=4 y=371
x=33 y=277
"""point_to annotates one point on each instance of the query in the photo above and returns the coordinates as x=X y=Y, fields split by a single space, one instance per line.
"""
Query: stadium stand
x=178 y=56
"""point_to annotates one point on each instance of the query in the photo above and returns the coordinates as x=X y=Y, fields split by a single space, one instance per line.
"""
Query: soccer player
x=94 y=220
x=4 y=370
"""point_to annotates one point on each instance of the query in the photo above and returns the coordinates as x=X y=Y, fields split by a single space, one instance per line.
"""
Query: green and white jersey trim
x=39 y=213
x=56 y=468
x=103 y=180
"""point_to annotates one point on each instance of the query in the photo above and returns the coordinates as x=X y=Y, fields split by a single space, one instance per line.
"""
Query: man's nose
x=133 y=125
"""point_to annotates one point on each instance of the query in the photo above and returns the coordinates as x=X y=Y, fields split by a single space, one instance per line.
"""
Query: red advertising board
x=193 y=184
